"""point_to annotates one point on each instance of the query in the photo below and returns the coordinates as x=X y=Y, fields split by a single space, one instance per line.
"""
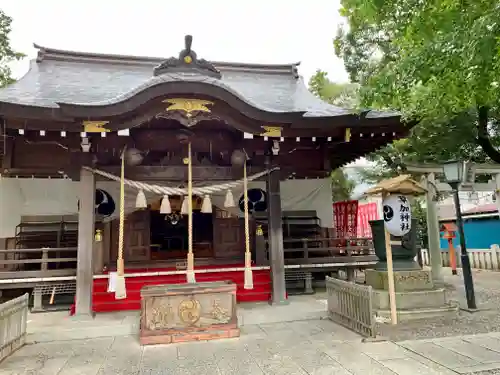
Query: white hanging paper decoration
x=140 y=201
x=229 y=200
x=397 y=214
x=165 y=207
x=206 y=206
x=184 y=207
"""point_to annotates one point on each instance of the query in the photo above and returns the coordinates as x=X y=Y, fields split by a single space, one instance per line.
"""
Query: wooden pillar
x=275 y=237
x=433 y=230
x=84 y=269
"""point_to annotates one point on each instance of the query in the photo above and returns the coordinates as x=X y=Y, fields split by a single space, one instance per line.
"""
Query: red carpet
x=106 y=302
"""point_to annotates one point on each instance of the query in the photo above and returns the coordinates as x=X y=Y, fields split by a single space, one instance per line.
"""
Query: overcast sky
x=259 y=31
x=254 y=31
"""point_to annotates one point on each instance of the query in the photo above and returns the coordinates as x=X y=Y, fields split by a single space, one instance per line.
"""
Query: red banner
x=345 y=219
x=366 y=213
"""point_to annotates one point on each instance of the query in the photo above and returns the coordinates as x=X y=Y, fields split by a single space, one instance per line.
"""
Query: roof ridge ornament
x=187 y=62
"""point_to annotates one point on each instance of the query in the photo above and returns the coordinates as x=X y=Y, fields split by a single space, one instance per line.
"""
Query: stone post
x=433 y=230
x=86 y=223
x=275 y=237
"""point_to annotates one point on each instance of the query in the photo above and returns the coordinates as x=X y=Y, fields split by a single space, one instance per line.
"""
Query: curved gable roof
x=58 y=76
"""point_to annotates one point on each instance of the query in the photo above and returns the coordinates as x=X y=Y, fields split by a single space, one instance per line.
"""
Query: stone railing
x=351 y=305
x=13 y=322
x=485 y=259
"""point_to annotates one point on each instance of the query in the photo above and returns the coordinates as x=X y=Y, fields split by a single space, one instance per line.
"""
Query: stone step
x=448 y=311
x=411 y=299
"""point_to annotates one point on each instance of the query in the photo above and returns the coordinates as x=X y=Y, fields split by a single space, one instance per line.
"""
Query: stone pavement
x=300 y=347
x=56 y=326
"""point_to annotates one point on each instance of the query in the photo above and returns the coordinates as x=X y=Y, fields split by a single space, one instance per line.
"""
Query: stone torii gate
x=435 y=186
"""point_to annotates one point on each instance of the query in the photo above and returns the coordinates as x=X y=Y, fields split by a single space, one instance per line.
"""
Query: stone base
x=448 y=311
x=172 y=337
x=410 y=300
x=399 y=265
x=416 y=295
x=188 y=312
x=404 y=281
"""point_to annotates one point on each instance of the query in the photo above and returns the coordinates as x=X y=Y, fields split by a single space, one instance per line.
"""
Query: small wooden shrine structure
x=73 y=115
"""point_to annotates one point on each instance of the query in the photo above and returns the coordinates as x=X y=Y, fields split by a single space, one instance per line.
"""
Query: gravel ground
x=486 y=319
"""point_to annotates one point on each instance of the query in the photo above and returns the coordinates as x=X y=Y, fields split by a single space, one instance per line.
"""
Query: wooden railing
x=315 y=251
x=485 y=259
x=327 y=250
x=13 y=322
x=350 y=304
x=45 y=262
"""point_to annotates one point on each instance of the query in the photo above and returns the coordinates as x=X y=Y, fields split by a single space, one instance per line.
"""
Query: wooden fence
x=486 y=259
x=350 y=304
x=13 y=322
x=44 y=262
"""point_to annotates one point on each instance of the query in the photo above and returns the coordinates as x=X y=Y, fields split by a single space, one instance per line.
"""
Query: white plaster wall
x=11 y=206
x=22 y=197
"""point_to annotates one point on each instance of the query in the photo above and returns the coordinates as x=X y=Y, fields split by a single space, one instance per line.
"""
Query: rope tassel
x=248 y=254
x=120 y=287
x=190 y=256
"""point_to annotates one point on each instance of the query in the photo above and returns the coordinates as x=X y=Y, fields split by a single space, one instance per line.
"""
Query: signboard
x=345 y=217
x=397 y=214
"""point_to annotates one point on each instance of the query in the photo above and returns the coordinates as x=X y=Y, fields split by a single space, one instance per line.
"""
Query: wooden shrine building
x=69 y=122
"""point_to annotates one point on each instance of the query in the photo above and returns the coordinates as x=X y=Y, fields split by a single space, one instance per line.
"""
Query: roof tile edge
x=45 y=53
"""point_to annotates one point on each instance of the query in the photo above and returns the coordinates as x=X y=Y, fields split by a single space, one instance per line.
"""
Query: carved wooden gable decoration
x=187 y=62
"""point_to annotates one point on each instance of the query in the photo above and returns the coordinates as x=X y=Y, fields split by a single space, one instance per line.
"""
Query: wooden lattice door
x=137 y=237
x=229 y=236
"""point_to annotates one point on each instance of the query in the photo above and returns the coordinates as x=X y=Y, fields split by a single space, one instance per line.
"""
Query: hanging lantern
x=133 y=157
x=238 y=158
x=206 y=207
x=98 y=235
x=140 y=201
x=229 y=200
x=165 y=207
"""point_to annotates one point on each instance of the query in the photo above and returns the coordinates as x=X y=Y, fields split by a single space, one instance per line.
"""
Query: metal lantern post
x=454 y=174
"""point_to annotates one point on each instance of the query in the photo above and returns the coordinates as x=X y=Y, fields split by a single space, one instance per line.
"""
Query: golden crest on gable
x=95 y=126
x=271 y=131
x=188 y=105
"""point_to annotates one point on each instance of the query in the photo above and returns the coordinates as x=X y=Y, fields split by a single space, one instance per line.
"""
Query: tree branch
x=483 y=138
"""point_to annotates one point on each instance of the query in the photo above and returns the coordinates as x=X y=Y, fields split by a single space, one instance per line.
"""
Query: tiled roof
x=58 y=76
x=484 y=208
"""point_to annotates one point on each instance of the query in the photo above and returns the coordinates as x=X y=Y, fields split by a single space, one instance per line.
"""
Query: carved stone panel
x=186 y=312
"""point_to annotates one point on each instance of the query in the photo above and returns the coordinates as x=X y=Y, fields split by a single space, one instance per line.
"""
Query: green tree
x=438 y=62
x=342 y=185
x=7 y=54
x=343 y=95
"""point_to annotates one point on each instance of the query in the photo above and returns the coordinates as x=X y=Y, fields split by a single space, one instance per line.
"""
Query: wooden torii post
x=401 y=185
